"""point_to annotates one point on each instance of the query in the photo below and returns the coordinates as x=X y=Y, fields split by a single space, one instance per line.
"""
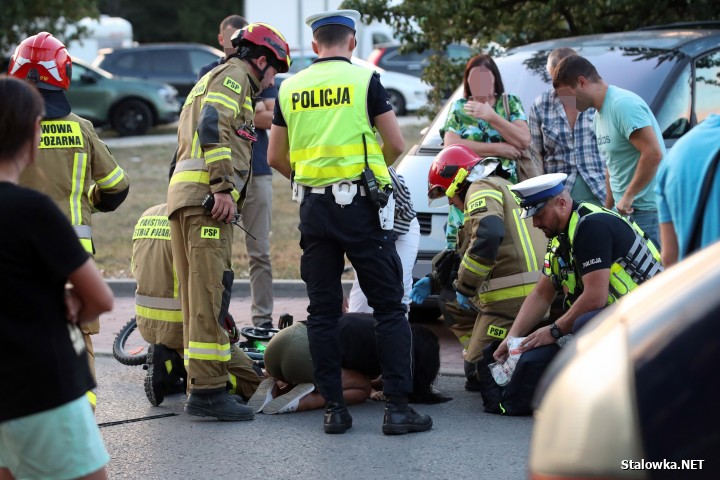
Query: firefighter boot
x=337 y=418
x=400 y=418
x=217 y=403
x=165 y=374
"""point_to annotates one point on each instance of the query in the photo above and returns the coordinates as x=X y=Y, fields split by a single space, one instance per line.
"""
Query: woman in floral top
x=479 y=121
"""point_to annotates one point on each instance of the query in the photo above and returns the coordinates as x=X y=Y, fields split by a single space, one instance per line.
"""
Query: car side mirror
x=88 y=77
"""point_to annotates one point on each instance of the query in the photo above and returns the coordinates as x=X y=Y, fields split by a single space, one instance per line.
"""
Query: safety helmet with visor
x=263 y=35
x=43 y=60
x=453 y=166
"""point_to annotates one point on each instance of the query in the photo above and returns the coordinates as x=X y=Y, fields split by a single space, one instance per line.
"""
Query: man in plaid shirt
x=566 y=141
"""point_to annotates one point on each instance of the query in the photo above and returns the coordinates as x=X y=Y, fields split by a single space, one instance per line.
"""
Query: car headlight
x=168 y=93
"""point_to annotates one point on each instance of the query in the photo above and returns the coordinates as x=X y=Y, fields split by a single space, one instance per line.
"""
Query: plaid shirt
x=564 y=150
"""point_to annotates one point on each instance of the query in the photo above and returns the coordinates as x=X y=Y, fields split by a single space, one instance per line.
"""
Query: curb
x=241 y=288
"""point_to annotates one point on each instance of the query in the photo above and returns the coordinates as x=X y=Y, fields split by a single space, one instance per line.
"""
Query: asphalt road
x=464 y=443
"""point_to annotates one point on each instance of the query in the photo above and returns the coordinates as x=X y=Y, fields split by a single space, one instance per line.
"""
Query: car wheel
x=397 y=101
x=131 y=117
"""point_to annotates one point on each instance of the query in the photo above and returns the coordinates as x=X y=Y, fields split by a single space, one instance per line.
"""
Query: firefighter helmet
x=42 y=59
x=449 y=169
x=265 y=35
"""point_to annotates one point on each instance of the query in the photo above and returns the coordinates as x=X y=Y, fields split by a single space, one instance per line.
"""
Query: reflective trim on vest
x=87 y=245
x=61 y=134
x=640 y=263
x=525 y=242
x=233 y=383
x=247 y=104
x=325 y=109
x=506 y=293
x=112 y=179
x=217 y=154
x=474 y=267
x=170 y=316
x=91 y=397
x=208 y=351
x=83 y=231
x=190 y=164
x=78 y=182
x=158 y=302
x=525 y=278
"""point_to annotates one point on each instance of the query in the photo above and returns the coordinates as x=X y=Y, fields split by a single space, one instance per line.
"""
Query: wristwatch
x=555 y=331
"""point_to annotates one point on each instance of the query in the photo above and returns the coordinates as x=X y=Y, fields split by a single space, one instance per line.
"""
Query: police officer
x=215 y=135
x=73 y=166
x=596 y=256
x=499 y=254
x=159 y=314
x=323 y=135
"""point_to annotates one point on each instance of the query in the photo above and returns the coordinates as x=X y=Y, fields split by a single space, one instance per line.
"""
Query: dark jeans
x=328 y=232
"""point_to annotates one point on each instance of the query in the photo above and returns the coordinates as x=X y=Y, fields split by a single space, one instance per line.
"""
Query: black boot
x=472 y=383
x=401 y=419
x=337 y=417
x=165 y=373
x=217 y=403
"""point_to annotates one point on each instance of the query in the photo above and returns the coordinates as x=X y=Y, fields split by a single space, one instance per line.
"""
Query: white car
x=407 y=93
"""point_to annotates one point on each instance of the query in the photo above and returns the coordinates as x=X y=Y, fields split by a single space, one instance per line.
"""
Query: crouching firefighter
x=498 y=253
x=595 y=257
x=159 y=315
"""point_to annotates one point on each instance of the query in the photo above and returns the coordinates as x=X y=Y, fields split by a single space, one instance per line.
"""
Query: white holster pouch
x=344 y=192
x=298 y=192
x=387 y=214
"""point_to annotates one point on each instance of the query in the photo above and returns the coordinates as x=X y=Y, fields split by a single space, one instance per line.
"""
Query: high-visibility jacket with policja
x=325 y=109
x=158 y=310
x=639 y=264
x=501 y=252
x=76 y=169
x=212 y=156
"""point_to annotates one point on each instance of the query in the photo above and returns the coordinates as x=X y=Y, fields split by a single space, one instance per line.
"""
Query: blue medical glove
x=420 y=291
x=463 y=301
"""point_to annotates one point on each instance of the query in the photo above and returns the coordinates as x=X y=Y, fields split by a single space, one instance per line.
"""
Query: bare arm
x=515 y=133
x=670 y=249
x=279 y=150
x=609 y=199
x=91 y=291
x=393 y=141
x=498 y=149
x=594 y=296
x=531 y=312
x=264 y=113
x=646 y=142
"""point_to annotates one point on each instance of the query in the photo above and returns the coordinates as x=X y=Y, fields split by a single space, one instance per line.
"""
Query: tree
x=422 y=24
x=22 y=18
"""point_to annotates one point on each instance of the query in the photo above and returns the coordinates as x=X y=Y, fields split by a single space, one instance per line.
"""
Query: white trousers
x=407 y=248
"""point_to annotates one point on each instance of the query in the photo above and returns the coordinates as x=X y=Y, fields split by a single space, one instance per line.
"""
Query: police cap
x=535 y=192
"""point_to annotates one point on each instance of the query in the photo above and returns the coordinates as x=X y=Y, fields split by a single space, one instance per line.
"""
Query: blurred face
x=225 y=39
x=482 y=84
x=580 y=94
x=548 y=219
x=567 y=97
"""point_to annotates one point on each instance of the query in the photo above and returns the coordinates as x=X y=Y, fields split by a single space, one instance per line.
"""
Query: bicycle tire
x=137 y=354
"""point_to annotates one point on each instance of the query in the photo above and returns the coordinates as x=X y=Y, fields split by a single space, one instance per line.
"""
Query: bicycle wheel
x=129 y=348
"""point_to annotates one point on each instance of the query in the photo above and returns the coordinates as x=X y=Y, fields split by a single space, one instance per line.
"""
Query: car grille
x=425 y=221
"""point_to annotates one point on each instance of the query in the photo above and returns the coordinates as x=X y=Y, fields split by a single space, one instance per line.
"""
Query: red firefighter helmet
x=449 y=170
x=266 y=35
x=42 y=59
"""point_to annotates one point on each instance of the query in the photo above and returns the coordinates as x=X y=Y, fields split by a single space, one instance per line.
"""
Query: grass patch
x=148 y=167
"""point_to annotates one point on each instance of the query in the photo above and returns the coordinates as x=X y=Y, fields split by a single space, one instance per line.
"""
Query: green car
x=130 y=106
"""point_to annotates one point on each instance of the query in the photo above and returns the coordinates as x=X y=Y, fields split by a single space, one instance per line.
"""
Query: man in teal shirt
x=679 y=181
x=628 y=137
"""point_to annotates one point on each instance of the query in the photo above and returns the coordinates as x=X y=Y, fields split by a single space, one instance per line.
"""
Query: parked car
x=406 y=92
x=675 y=70
x=175 y=63
x=390 y=57
x=129 y=105
x=635 y=395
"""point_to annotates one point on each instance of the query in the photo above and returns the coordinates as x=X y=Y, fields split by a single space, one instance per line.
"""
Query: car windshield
x=640 y=70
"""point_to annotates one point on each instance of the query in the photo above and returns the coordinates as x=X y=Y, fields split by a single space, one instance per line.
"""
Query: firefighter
x=159 y=315
x=215 y=136
x=499 y=254
x=74 y=167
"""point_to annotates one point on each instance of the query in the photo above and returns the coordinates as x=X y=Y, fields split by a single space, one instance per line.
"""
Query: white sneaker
x=262 y=396
x=289 y=402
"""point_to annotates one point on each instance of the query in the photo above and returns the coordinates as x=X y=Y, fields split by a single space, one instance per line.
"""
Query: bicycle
x=130 y=348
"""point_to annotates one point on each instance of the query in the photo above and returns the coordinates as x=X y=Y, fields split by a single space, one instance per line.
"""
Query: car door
x=88 y=96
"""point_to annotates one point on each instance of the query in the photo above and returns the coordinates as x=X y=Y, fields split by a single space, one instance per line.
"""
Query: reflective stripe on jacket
x=325 y=108
x=515 y=269
x=74 y=168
